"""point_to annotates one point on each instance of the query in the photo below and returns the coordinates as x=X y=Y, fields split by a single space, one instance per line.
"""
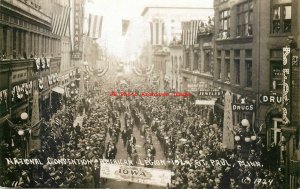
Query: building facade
x=171 y=15
x=250 y=37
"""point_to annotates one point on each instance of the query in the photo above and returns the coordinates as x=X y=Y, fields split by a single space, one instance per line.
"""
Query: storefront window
x=276 y=75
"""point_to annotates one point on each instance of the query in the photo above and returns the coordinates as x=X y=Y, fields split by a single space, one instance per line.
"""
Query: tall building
x=165 y=28
x=249 y=62
x=35 y=55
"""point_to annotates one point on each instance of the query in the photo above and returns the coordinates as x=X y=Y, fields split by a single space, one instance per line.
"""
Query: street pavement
x=122 y=154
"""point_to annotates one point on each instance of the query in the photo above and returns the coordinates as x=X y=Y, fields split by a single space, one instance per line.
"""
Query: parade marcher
x=132 y=139
x=124 y=137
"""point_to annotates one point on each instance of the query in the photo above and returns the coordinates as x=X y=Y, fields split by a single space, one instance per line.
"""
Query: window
x=227 y=70
x=196 y=60
x=249 y=73
x=237 y=71
x=224 y=31
x=207 y=67
x=218 y=68
x=244 y=19
x=281 y=16
x=4 y=50
x=276 y=75
x=187 y=61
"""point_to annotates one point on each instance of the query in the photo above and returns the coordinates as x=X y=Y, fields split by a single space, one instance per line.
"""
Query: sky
x=113 y=11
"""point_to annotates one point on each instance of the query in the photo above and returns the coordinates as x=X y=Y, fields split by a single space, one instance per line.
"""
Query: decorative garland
x=3 y=96
x=139 y=72
x=42 y=63
x=103 y=72
x=136 y=71
x=149 y=71
x=21 y=90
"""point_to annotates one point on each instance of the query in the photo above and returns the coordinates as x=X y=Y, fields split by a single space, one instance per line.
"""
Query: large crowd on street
x=185 y=131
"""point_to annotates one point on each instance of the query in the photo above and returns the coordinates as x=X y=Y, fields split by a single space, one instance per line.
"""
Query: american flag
x=60 y=20
x=95 y=26
x=190 y=32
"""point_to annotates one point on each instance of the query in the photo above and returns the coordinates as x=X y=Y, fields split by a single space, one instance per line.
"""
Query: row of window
x=236 y=72
x=207 y=63
x=17 y=43
x=281 y=15
x=24 y=24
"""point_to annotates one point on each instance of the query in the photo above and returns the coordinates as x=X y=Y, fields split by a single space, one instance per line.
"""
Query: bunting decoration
x=157 y=32
x=37 y=63
x=95 y=26
x=60 y=19
x=41 y=83
x=145 y=71
x=20 y=91
x=42 y=63
x=50 y=79
x=102 y=72
x=48 y=62
x=3 y=97
x=125 y=25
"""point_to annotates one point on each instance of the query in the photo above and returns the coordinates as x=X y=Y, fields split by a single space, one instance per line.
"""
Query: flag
x=185 y=33
x=190 y=32
x=125 y=24
x=157 y=32
x=195 y=27
x=95 y=26
x=60 y=20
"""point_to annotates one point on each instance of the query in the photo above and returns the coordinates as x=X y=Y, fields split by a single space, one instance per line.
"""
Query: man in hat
x=124 y=136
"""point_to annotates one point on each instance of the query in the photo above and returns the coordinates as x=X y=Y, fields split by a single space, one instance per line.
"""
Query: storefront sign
x=76 y=54
x=242 y=107
x=192 y=87
x=270 y=99
x=159 y=177
x=211 y=93
x=205 y=102
x=19 y=76
x=286 y=95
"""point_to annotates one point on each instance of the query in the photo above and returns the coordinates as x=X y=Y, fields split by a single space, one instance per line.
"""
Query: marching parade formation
x=156 y=94
x=99 y=127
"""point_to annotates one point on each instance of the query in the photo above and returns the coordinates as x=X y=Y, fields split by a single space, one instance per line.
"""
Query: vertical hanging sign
x=286 y=93
x=76 y=54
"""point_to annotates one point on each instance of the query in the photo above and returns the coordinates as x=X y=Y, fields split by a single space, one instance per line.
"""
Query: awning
x=59 y=89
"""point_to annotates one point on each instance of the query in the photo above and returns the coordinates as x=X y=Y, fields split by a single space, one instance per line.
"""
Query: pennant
x=60 y=20
x=157 y=32
x=125 y=24
x=95 y=26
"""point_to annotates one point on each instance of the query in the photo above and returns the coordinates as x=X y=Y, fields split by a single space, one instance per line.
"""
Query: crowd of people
x=184 y=130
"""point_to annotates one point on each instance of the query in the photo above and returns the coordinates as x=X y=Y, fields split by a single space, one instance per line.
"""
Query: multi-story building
x=171 y=15
x=250 y=36
x=30 y=53
x=197 y=69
